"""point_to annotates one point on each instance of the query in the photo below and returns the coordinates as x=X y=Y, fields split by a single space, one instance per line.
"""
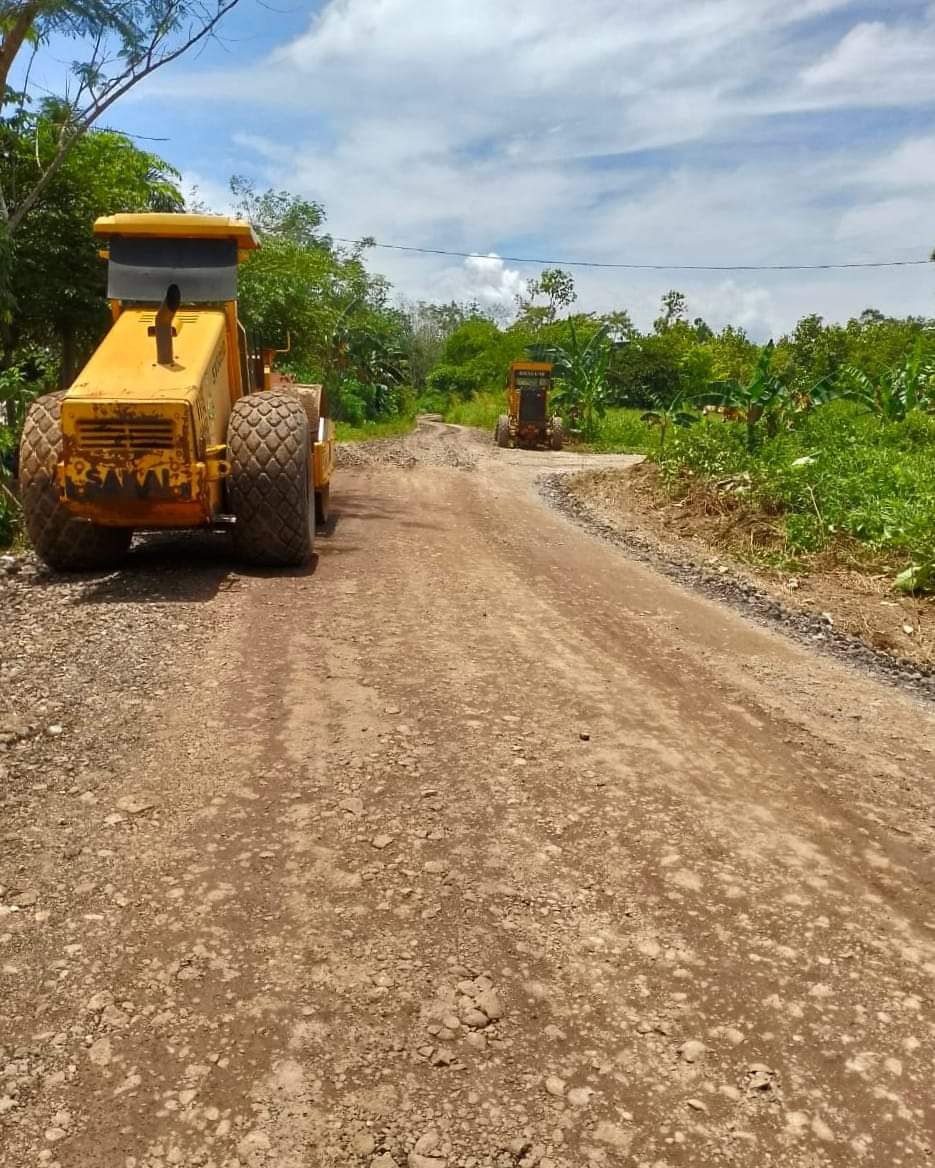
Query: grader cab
x=175 y=421
x=528 y=422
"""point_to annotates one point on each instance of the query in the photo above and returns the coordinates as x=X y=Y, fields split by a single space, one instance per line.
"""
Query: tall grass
x=839 y=473
x=622 y=431
x=480 y=411
x=369 y=431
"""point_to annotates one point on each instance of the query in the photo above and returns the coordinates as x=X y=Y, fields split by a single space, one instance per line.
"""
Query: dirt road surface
x=477 y=845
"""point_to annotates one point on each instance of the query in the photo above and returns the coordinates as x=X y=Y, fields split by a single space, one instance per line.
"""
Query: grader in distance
x=175 y=422
x=527 y=421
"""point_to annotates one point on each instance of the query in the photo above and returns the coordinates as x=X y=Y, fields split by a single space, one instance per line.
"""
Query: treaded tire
x=269 y=486
x=64 y=543
x=557 y=437
x=502 y=432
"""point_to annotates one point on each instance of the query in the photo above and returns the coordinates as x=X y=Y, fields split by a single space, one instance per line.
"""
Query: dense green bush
x=480 y=411
x=8 y=509
x=454 y=381
x=839 y=473
x=432 y=403
x=357 y=402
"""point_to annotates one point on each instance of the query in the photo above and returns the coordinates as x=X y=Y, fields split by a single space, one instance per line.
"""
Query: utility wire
x=471 y=255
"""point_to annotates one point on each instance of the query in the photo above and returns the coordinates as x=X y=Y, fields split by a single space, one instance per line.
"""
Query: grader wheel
x=502 y=432
x=270 y=482
x=64 y=543
x=557 y=435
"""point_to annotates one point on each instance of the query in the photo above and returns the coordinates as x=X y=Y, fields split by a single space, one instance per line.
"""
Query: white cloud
x=911 y=165
x=877 y=63
x=898 y=220
x=200 y=189
x=576 y=79
x=749 y=308
x=612 y=132
x=488 y=280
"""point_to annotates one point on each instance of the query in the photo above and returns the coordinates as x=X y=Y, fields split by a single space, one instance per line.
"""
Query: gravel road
x=477 y=844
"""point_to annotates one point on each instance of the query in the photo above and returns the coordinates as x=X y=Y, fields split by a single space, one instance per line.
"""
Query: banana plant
x=581 y=368
x=898 y=391
x=758 y=397
x=666 y=415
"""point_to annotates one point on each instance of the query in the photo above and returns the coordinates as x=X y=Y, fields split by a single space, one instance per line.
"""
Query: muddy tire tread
x=268 y=488
x=64 y=543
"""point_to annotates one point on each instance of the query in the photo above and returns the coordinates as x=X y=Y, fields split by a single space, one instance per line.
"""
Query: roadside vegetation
x=826 y=436
x=821 y=442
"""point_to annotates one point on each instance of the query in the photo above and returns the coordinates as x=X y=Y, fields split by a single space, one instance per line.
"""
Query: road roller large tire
x=64 y=543
x=269 y=487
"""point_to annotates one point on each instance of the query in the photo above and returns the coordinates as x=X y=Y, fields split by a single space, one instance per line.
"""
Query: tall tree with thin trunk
x=121 y=42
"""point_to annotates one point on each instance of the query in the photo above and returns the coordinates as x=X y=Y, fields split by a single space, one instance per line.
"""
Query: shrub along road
x=480 y=844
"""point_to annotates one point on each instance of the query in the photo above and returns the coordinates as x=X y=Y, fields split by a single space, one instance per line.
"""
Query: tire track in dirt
x=487 y=847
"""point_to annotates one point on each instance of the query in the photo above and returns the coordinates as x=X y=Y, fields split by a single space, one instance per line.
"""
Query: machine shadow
x=367 y=508
x=187 y=567
x=193 y=567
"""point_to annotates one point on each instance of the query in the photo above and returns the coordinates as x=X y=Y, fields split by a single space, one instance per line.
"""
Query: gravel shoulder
x=479 y=844
x=853 y=612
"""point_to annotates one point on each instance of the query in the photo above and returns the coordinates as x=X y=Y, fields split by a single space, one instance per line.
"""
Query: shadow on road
x=175 y=567
x=380 y=509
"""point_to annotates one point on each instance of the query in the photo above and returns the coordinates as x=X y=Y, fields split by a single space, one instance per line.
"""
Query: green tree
x=620 y=326
x=297 y=285
x=300 y=286
x=120 y=42
x=473 y=339
x=674 y=310
x=426 y=329
x=58 y=279
x=558 y=288
x=759 y=397
x=816 y=351
x=654 y=367
x=898 y=391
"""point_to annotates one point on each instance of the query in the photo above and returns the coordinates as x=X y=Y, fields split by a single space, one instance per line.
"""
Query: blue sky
x=748 y=131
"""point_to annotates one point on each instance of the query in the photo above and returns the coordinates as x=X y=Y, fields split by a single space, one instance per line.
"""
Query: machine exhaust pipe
x=163 y=330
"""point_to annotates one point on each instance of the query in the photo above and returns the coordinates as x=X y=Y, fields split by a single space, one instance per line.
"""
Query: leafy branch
x=127 y=42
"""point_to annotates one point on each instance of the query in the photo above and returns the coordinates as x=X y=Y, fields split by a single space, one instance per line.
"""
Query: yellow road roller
x=175 y=421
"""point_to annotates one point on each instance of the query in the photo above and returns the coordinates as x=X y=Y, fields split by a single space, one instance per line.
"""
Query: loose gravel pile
x=428 y=445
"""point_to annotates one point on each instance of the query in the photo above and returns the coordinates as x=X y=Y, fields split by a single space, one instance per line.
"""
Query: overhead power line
x=471 y=255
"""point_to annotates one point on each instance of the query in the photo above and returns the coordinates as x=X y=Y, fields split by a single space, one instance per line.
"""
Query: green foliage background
x=859 y=469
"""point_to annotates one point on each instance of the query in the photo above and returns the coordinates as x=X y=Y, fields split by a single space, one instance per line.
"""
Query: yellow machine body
x=143 y=441
x=143 y=444
x=529 y=387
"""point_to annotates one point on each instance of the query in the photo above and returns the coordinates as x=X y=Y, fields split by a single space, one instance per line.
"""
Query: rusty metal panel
x=132 y=465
